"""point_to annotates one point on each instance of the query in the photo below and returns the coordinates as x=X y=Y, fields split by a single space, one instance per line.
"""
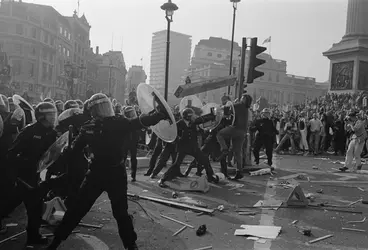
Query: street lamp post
x=169 y=9
x=235 y=6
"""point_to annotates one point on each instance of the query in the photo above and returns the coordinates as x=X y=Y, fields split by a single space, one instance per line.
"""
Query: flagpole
x=270 y=47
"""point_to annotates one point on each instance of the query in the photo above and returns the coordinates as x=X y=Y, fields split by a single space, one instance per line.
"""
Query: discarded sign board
x=203 y=86
x=195 y=184
x=297 y=198
x=173 y=203
x=54 y=211
x=268 y=232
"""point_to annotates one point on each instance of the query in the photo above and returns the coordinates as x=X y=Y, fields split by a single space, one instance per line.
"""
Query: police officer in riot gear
x=188 y=145
x=105 y=135
x=23 y=157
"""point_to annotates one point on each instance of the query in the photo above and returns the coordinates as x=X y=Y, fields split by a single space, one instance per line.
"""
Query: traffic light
x=254 y=62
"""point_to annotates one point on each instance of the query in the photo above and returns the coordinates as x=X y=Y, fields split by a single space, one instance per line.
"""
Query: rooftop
x=171 y=32
x=218 y=43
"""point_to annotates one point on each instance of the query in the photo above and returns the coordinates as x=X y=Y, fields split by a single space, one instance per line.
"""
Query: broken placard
x=268 y=204
x=267 y=232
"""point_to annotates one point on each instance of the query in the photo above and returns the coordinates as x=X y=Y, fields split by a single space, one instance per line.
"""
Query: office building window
x=44 y=54
x=50 y=72
x=44 y=71
x=45 y=37
x=68 y=53
x=64 y=51
x=51 y=58
x=31 y=69
x=17 y=48
x=52 y=41
x=34 y=33
x=16 y=67
x=69 y=36
x=19 y=29
x=209 y=54
x=219 y=55
x=61 y=30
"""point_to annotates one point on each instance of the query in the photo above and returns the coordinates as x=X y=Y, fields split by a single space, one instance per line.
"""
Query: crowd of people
x=102 y=132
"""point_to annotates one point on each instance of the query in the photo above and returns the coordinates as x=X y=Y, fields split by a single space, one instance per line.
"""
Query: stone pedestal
x=349 y=57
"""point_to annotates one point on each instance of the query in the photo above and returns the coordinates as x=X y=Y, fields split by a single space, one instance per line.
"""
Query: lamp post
x=169 y=9
x=235 y=7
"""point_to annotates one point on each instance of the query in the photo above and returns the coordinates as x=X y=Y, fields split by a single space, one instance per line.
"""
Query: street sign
x=203 y=86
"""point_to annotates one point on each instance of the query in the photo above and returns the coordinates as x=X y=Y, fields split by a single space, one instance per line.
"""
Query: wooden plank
x=203 y=86
x=173 y=203
x=177 y=221
x=179 y=231
x=12 y=237
x=320 y=238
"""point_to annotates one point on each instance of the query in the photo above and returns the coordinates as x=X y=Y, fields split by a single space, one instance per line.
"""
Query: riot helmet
x=70 y=104
x=49 y=100
x=130 y=112
x=80 y=103
x=100 y=106
x=46 y=113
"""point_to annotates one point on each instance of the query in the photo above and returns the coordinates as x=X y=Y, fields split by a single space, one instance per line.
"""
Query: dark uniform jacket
x=105 y=139
x=28 y=148
x=265 y=127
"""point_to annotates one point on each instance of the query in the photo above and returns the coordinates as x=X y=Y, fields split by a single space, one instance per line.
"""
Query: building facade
x=276 y=85
x=39 y=42
x=112 y=74
x=179 y=61
x=135 y=76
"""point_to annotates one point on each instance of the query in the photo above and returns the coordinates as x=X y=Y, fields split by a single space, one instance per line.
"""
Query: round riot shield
x=146 y=95
x=54 y=152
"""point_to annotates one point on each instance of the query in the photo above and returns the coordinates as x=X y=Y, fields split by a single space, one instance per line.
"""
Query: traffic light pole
x=241 y=79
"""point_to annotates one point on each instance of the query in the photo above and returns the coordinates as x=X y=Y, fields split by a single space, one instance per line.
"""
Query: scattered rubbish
x=220 y=208
x=268 y=204
x=89 y=225
x=355 y=202
x=174 y=203
x=106 y=219
x=320 y=238
x=261 y=172
x=174 y=195
x=361 y=189
x=262 y=241
x=353 y=229
x=315 y=167
x=252 y=238
x=247 y=213
x=322 y=158
x=11 y=225
x=201 y=230
x=310 y=197
x=144 y=191
x=236 y=186
x=305 y=231
x=51 y=234
x=237 y=194
x=359 y=221
x=365 y=201
x=12 y=237
x=177 y=221
x=362 y=171
x=294 y=222
x=199 y=214
x=297 y=198
x=320 y=191
x=268 y=232
x=179 y=231
x=54 y=211
x=204 y=248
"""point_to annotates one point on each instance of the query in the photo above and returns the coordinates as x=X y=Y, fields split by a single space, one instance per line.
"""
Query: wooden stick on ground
x=179 y=231
x=12 y=237
x=177 y=221
x=204 y=248
x=320 y=238
x=89 y=225
x=353 y=229
x=51 y=234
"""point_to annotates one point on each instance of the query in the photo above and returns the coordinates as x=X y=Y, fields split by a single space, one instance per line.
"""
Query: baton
x=25 y=184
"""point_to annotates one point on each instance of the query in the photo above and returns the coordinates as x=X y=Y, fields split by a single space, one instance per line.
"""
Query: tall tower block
x=349 y=57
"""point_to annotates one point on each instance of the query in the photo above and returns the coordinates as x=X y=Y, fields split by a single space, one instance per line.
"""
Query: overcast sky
x=300 y=29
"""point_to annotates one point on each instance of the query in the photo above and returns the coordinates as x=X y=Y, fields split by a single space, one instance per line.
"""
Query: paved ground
x=155 y=232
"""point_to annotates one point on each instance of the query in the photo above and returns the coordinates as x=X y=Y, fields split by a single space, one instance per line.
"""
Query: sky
x=301 y=30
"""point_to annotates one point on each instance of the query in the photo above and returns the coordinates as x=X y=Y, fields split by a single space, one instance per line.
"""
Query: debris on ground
x=355 y=202
x=320 y=238
x=268 y=204
x=314 y=167
x=90 y=225
x=177 y=221
x=261 y=172
x=174 y=195
x=305 y=231
x=353 y=229
x=12 y=237
x=310 y=197
x=267 y=232
x=201 y=230
x=234 y=186
x=204 y=248
x=220 y=208
x=320 y=191
x=179 y=231
x=359 y=221
x=11 y=225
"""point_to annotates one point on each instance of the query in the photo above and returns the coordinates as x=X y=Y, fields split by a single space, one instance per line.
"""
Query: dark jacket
x=28 y=148
x=265 y=127
x=241 y=116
